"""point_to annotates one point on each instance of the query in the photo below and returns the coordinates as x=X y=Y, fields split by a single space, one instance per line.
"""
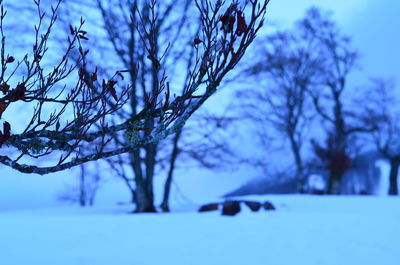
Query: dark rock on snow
x=209 y=207
x=230 y=208
x=254 y=206
x=268 y=206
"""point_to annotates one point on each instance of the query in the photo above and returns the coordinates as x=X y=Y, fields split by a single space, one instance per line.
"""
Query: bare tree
x=287 y=65
x=221 y=42
x=337 y=59
x=383 y=114
x=203 y=144
x=85 y=192
x=53 y=97
x=154 y=112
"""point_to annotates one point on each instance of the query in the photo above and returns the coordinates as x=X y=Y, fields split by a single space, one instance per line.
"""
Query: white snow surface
x=309 y=230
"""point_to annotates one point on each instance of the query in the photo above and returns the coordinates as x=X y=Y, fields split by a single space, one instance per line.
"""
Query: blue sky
x=376 y=33
x=373 y=25
x=287 y=11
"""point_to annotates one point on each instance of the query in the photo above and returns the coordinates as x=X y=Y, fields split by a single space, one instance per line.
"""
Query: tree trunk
x=144 y=200
x=394 y=171
x=141 y=196
x=133 y=196
x=167 y=186
x=144 y=185
x=82 y=188
x=150 y=167
x=334 y=183
x=299 y=164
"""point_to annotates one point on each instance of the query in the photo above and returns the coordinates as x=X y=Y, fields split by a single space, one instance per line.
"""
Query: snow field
x=309 y=230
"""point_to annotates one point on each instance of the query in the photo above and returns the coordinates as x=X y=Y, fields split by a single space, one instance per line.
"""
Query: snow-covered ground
x=303 y=230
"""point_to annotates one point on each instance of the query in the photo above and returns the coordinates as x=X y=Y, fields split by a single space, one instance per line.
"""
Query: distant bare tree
x=202 y=144
x=337 y=60
x=385 y=116
x=85 y=192
x=287 y=65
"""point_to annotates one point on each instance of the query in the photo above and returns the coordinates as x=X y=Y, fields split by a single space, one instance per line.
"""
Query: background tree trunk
x=299 y=164
x=82 y=188
x=334 y=183
x=144 y=198
x=167 y=186
x=394 y=171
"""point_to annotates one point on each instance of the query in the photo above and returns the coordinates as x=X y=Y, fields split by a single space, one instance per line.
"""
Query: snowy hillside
x=309 y=230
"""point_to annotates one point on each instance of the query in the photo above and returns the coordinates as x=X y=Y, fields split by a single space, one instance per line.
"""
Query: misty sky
x=373 y=25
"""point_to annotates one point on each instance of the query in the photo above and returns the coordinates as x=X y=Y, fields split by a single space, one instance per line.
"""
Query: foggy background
x=373 y=27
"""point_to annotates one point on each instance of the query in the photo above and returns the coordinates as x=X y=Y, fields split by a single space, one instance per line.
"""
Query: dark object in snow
x=231 y=208
x=254 y=206
x=268 y=206
x=317 y=191
x=209 y=207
